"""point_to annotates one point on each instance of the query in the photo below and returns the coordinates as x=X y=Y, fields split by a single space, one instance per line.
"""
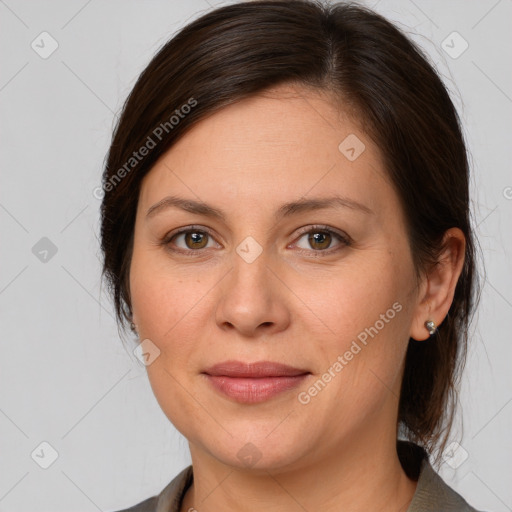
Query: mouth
x=254 y=382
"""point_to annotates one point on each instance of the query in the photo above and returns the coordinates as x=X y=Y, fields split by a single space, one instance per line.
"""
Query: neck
x=364 y=474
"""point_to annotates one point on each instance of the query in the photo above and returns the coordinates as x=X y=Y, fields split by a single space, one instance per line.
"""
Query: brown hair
x=359 y=57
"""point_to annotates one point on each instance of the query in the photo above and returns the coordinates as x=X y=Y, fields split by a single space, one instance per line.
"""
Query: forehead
x=286 y=121
x=282 y=144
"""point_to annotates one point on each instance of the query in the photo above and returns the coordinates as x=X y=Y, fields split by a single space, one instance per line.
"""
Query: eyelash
x=345 y=240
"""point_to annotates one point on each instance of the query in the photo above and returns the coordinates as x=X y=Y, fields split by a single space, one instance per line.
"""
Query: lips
x=254 y=382
x=254 y=370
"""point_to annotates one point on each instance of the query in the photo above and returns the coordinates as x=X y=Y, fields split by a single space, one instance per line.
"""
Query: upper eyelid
x=187 y=229
x=320 y=227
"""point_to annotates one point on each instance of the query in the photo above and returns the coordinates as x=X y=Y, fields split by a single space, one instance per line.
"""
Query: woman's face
x=325 y=285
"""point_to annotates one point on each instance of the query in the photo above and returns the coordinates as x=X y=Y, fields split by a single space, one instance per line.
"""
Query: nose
x=252 y=299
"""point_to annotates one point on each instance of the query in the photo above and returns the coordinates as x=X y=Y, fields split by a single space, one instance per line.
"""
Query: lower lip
x=254 y=390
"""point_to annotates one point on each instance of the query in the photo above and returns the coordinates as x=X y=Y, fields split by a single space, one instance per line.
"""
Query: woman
x=286 y=227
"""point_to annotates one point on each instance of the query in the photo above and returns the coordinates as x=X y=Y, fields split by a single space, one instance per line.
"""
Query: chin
x=259 y=451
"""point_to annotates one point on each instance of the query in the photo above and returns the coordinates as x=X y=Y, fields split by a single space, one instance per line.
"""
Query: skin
x=290 y=305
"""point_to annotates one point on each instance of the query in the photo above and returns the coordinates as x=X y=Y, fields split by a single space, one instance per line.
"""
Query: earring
x=133 y=327
x=431 y=327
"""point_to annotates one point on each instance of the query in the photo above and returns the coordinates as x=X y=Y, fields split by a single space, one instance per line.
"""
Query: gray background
x=65 y=377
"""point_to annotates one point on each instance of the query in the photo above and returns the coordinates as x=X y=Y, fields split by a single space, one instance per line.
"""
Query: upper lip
x=254 y=370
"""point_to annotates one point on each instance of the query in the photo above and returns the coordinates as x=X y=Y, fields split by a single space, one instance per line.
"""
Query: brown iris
x=319 y=237
x=197 y=240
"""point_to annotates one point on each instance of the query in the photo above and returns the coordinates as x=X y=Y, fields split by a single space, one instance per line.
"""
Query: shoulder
x=169 y=499
x=432 y=493
x=148 y=505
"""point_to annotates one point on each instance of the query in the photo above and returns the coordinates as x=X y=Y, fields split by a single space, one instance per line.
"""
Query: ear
x=133 y=320
x=438 y=285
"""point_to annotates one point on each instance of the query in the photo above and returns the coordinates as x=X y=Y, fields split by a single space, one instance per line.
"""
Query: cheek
x=172 y=305
x=163 y=296
x=166 y=310
x=365 y=309
x=348 y=299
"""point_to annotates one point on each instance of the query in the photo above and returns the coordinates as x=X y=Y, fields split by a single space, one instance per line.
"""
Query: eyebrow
x=285 y=210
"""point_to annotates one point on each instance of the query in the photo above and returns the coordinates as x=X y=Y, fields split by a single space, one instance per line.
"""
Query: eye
x=321 y=238
x=191 y=239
